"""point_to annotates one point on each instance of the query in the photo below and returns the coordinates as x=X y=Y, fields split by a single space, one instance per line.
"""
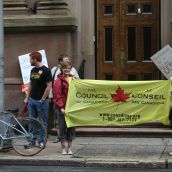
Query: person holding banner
x=53 y=109
x=60 y=91
x=55 y=71
x=37 y=94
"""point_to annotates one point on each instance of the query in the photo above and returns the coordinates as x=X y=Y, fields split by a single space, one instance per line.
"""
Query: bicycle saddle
x=15 y=110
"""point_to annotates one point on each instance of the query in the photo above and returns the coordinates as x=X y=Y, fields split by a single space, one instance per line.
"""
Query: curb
x=128 y=164
x=81 y=162
x=43 y=162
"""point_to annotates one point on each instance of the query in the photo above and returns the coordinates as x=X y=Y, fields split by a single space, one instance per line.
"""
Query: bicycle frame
x=5 y=136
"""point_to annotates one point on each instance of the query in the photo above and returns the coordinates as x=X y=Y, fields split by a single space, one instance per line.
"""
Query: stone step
x=16 y=8
x=120 y=132
x=51 y=7
x=55 y=10
x=53 y=2
x=13 y=1
x=39 y=8
x=14 y=4
x=15 y=11
x=22 y=3
x=19 y=3
x=59 y=12
x=152 y=131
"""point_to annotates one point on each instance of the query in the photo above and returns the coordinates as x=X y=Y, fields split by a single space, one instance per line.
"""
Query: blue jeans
x=38 y=110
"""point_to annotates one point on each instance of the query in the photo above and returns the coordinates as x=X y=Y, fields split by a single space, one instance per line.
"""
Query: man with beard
x=37 y=95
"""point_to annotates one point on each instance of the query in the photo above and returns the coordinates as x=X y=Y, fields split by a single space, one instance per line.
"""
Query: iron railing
x=81 y=69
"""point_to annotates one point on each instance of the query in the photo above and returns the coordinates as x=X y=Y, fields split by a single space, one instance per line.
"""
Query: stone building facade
x=71 y=26
x=55 y=26
x=166 y=22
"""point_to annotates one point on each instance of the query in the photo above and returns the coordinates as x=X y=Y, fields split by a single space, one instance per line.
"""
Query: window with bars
x=148 y=76
x=108 y=43
x=146 y=9
x=108 y=10
x=131 y=43
x=131 y=9
x=147 y=43
x=132 y=77
x=108 y=77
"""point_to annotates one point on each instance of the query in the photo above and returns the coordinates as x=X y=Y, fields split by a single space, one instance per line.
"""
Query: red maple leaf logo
x=120 y=95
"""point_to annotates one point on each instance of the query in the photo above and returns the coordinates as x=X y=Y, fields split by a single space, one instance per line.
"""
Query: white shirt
x=73 y=72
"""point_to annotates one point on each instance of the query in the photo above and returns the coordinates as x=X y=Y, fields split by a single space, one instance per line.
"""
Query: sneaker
x=69 y=152
x=30 y=145
x=170 y=153
x=41 y=145
x=64 y=151
x=56 y=140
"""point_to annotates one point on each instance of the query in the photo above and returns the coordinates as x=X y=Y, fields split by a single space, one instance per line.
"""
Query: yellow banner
x=117 y=103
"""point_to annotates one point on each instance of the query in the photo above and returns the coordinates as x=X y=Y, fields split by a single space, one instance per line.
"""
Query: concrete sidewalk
x=101 y=152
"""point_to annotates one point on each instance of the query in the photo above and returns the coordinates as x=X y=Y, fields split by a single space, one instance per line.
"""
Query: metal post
x=1 y=58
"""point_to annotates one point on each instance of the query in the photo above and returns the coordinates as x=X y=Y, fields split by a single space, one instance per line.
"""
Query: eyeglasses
x=66 y=68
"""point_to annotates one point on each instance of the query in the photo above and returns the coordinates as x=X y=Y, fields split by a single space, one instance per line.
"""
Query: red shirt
x=60 y=91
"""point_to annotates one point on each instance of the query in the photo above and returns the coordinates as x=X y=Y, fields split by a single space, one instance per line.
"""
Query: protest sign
x=117 y=103
x=25 y=66
x=163 y=60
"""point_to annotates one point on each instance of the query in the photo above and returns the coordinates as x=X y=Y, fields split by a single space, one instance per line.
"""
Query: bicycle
x=18 y=132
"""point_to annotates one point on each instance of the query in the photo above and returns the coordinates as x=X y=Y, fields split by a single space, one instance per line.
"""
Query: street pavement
x=22 y=168
x=107 y=152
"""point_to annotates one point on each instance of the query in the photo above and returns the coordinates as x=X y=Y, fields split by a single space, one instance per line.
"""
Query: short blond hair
x=65 y=64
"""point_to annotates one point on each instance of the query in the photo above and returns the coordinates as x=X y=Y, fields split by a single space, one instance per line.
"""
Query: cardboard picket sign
x=163 y=60
x=25 y=66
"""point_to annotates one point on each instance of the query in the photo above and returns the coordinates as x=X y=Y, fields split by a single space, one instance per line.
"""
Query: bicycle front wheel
x=25 y=134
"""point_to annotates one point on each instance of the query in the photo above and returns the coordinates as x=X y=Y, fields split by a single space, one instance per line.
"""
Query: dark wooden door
x=127 y=36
